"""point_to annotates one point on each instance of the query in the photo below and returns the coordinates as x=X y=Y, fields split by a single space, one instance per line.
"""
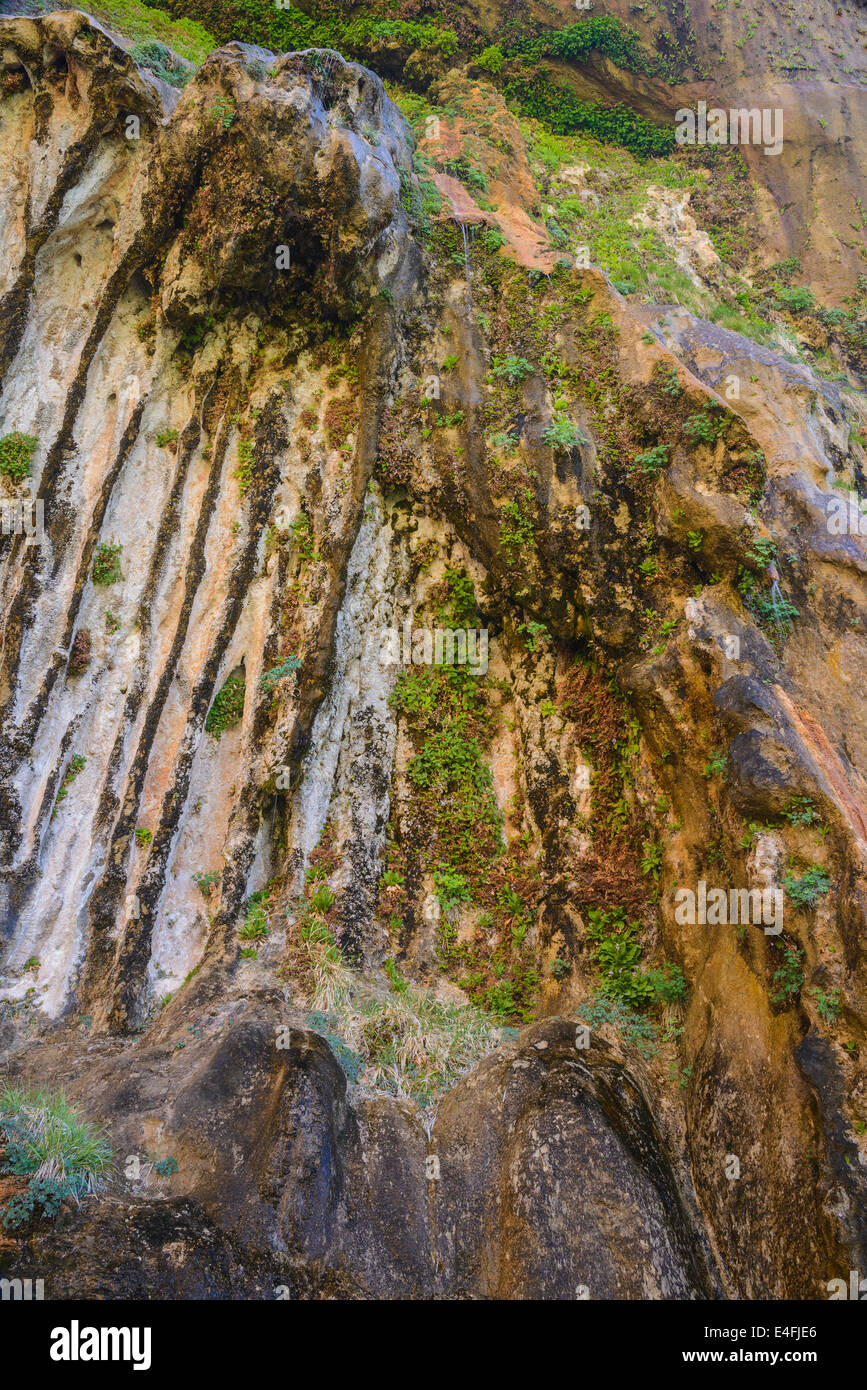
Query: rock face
x=271 y=420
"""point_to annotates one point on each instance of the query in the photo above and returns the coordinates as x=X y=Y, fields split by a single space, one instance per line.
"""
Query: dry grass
x=408 y=1043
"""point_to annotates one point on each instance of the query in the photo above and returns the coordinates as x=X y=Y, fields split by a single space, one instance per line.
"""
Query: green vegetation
x=704 y=428
x=76 y=764
x=195 y=334
x=617 y=952
x=827 y=1004
x=164 y=437
x=228 y=706
x=801 y=811
x=207 y=882
x=716 y=764
x=796 y=301
x=557 y=106
x=511 y=369
x=789 y=979
x=536 y=633
x=221 y=111
x=302 y=534
x=287 y=667
x=458 y=831
x=244 y=470
x=762 y=552
x=809 y=888
x=773 y=610
x=652 y=461
x=516 y=527
x=16 y=455
x=106 y=564
x=634 y=1027
x=143 y=836
x=322 y=900
x=144 y=24
x=255 y=925
x=406 y=1044
x=159 y=60
x=562 y=434
x=47 y=1141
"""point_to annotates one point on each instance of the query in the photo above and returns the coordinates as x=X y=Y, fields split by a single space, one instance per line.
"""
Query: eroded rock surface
x=230 y=348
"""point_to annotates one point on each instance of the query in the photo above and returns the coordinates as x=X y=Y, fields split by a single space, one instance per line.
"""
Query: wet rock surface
x=219 y=325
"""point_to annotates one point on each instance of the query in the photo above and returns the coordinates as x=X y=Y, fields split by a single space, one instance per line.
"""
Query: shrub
x=796 y=301
x=562 y=434
x=491 y=59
